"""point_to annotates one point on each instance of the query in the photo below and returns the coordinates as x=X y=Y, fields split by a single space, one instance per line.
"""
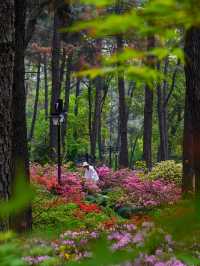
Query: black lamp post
x=58 y=119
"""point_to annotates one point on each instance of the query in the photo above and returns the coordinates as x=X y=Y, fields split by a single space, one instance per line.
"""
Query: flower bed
x=134 y=190
x=78 y=245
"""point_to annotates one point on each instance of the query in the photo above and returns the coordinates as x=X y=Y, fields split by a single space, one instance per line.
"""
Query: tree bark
x=148 y=114
x=46 y=88
x=97 y=116
x=6 y=83
x=23 y=221
x=191 y=144
x=100 y=140
x=162 y=116
x=90 y=111
x=62 y=69
x=55 y=93
x=31 y=134
x=78 y=83
x=67 y=95
x=123 y=152
x=133 y=147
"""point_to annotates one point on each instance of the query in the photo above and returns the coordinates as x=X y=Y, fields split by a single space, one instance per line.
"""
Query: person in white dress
x=90 y=172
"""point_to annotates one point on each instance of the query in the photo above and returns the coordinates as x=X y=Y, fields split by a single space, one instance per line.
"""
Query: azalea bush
x=71 y=187
x=54 y=213
x=122 y=187
x=151 y=193
x=167 y=170
x=111 y=179
x=138 y=191
x=140 y=165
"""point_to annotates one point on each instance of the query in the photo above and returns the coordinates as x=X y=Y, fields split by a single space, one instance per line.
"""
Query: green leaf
x=21 y=196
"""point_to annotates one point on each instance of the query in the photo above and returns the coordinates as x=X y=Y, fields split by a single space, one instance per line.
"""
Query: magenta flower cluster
x=139 y=191
x=151 y=193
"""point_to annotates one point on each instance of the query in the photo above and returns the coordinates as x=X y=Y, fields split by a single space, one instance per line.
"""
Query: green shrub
x=10 y=252
x=115 y=197
x=140 y=165
x=168 y=170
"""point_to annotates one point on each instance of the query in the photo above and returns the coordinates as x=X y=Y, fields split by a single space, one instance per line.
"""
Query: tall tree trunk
x=191 y=145
x=188 y=168
x=133 y=147
x=46 y=88
x=62 y=69
x=55 y=82
x=19 y=146
x=97 y=116
x=6 y=83
x=31 y=134
x=67 y=95
x=148 y=115
x=100 y=140
x=90 y=111
x=179 y=117
x=162 y=116
x=147 y=137
x=78 y=83
x=123 y=152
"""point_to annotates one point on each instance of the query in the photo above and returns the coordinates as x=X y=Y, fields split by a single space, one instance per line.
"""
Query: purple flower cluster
x=35 y=260
x=74 y=243
x=153 y=260
x=125 y=235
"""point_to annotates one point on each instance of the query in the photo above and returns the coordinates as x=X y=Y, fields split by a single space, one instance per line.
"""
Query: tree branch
x=173 y=83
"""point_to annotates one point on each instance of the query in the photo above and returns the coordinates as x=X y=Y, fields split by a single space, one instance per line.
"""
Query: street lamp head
x=59 y=114
x=57 y=118
x=59 y=106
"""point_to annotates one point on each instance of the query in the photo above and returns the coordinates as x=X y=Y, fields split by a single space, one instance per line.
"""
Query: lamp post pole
x=110 y=155
x=58 y=118
x=59 y=152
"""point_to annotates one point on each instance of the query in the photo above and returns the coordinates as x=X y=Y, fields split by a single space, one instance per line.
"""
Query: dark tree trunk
x=123 y=152
x=46 y=88
x=6 y=83
x=97 y=116
x=100 y=140
x=191 y=145
x=173 y=129
x=35 y=108
x=175 y=119
x=148 y=115
x=62 y=69
x=188 y=169
x=19 y=146
x=55 y=82
x=90 y=111
x=162 y=116
x=67 y=95
x=133 y=147
x=78 y=83
x=111 y=128
x=147 y=137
